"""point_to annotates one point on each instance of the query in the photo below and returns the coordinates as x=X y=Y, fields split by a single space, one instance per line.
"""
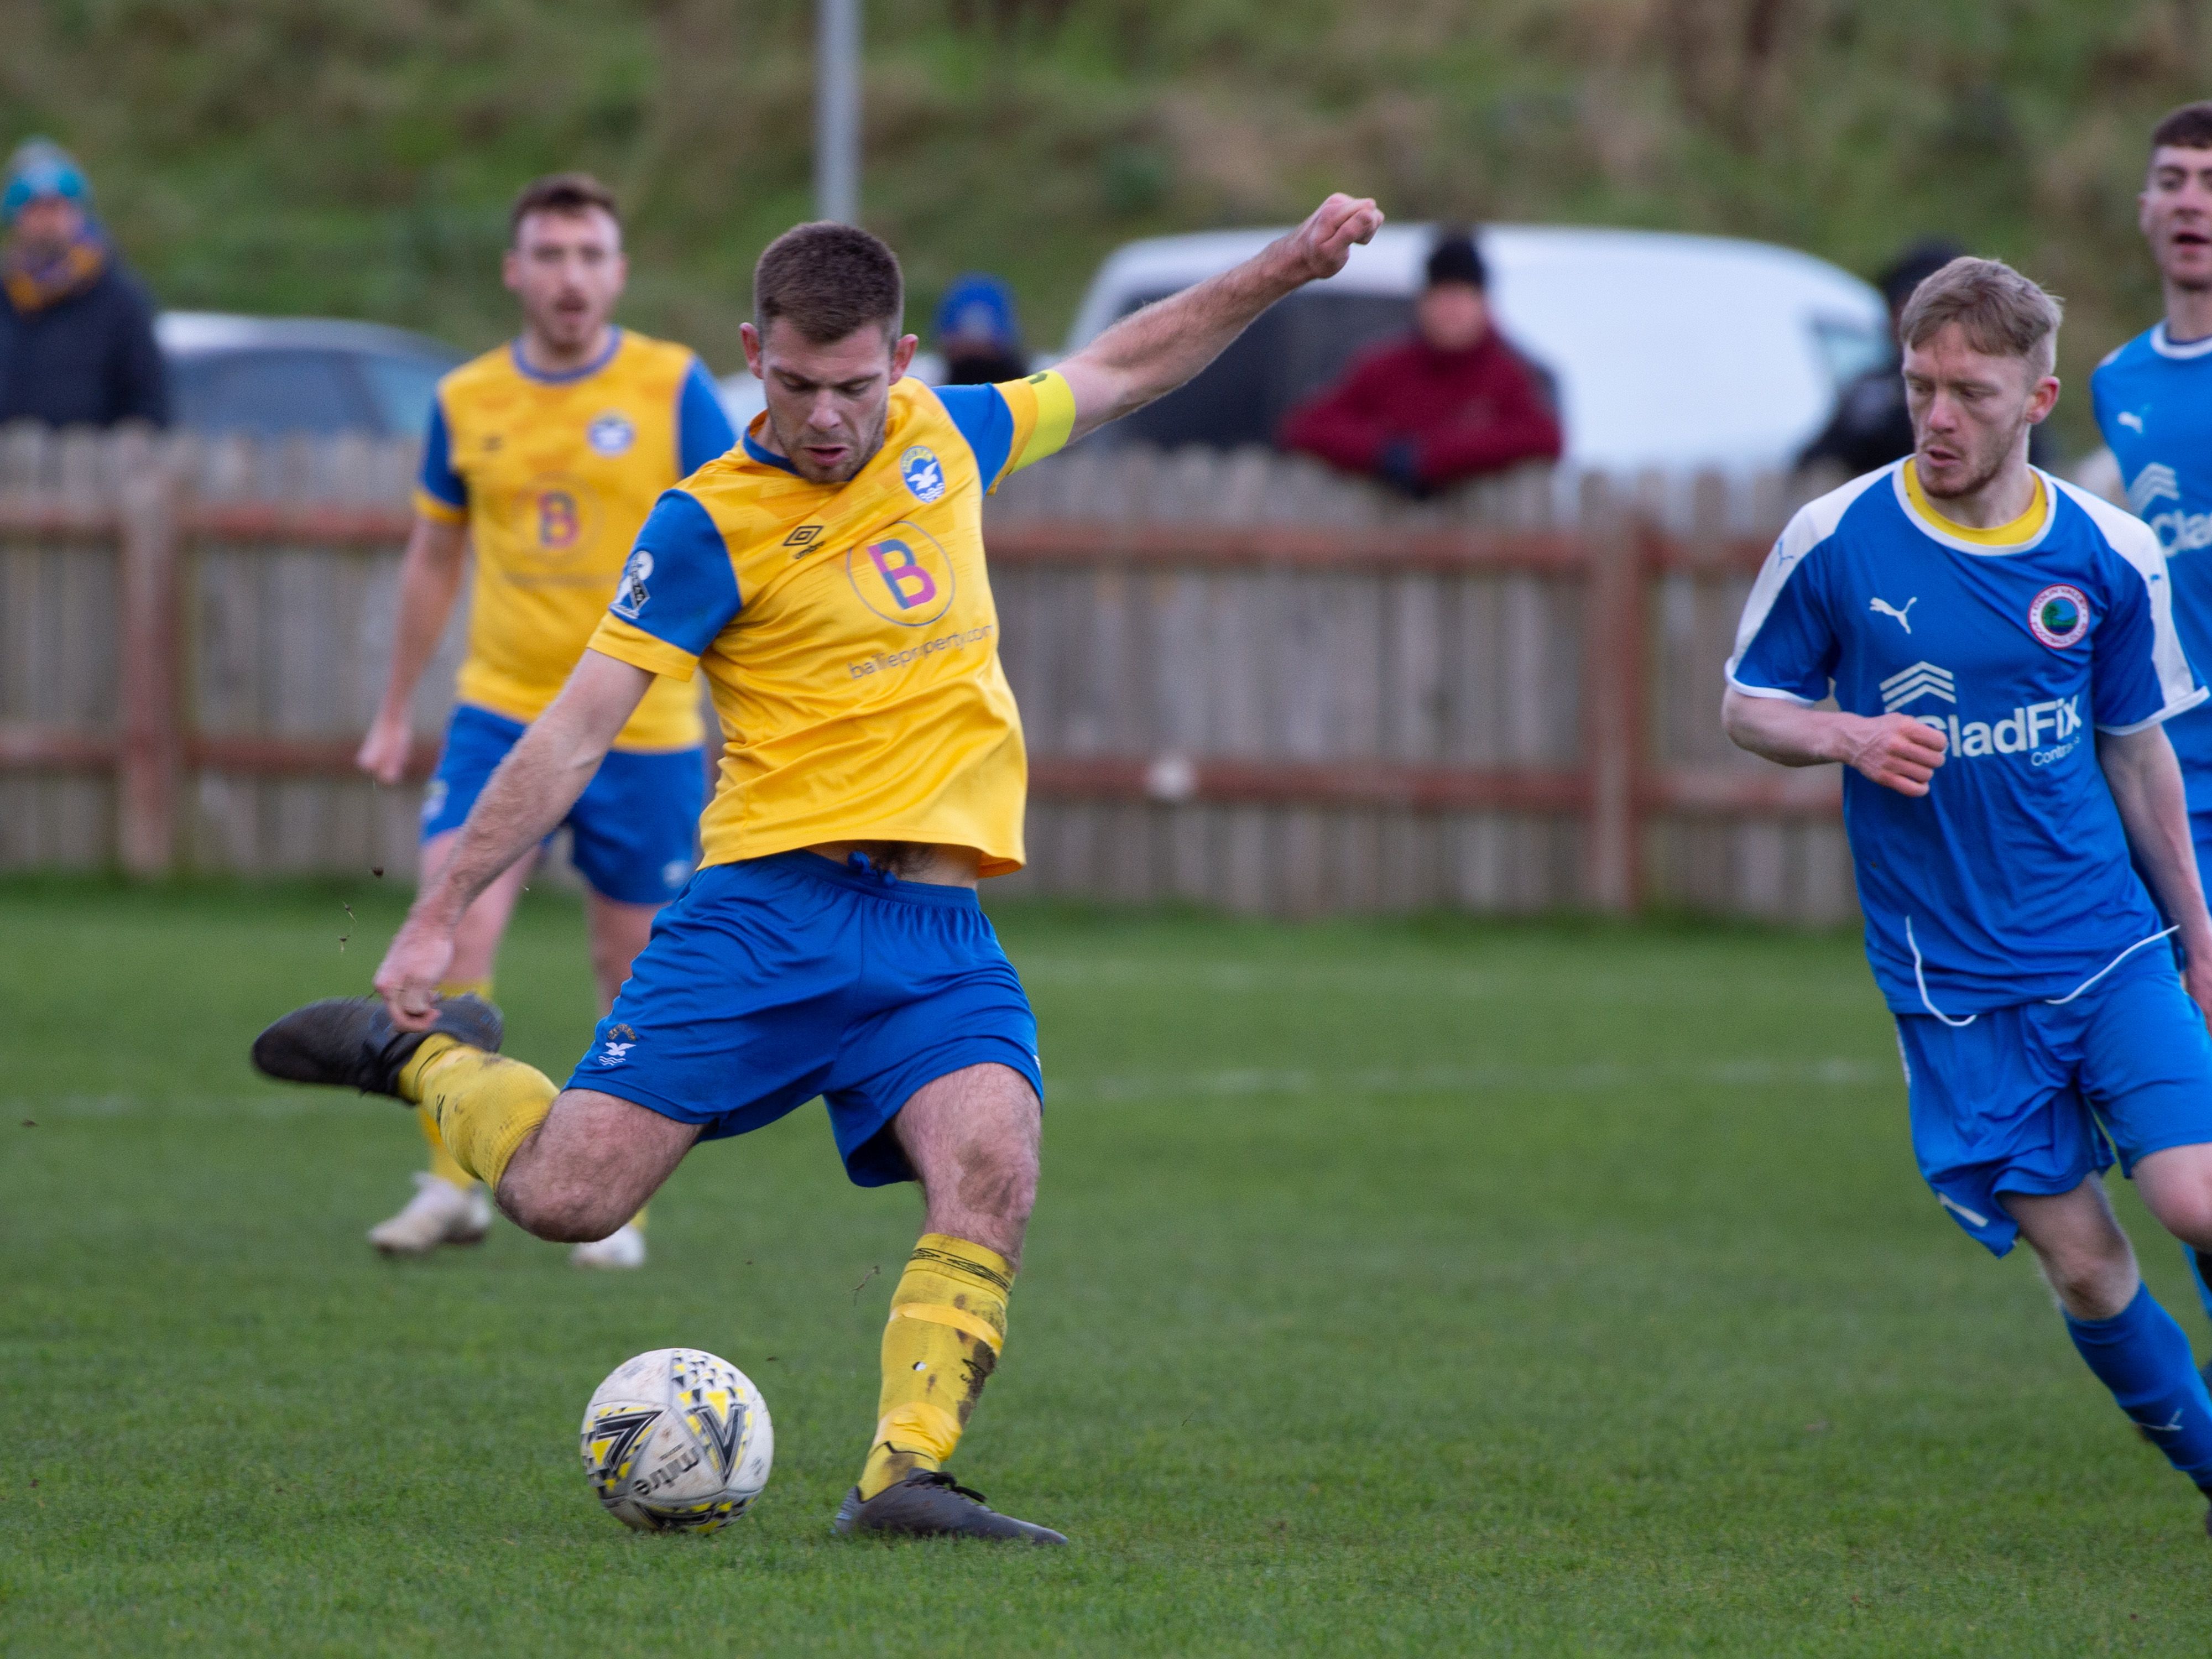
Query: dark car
x=268 y=375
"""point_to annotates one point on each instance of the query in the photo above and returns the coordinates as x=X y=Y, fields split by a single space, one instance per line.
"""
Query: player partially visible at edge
x=547 y=453
x=2002 y=651
x=830 y=576
x=2153 y=403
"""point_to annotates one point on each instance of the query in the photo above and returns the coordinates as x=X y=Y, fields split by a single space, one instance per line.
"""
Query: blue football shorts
x=774 y=980
x=2036 y=1098
x=633 y=831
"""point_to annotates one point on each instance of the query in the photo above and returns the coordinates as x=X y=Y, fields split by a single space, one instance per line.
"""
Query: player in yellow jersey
x=828 y=576
x=546 y=454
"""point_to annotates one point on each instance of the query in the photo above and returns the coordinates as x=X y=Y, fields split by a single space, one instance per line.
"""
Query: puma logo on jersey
x=1883 y=607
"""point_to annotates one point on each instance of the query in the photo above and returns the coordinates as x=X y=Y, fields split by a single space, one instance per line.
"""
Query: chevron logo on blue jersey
x=2155 y=480
x=1922 y=679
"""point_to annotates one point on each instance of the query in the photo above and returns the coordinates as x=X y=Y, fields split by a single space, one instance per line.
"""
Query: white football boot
x=439 y=1213
x=623 y=1247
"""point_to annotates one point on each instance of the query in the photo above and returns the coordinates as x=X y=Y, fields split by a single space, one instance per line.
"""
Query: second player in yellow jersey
x=544 y=455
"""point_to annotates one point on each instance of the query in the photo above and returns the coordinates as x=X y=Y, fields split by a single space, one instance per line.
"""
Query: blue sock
x=2196 y=1276
x=2142 y=1357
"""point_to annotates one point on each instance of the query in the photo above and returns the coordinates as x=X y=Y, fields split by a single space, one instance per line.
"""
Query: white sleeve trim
x=1813 y=523
x=2160 y=717
x=1777 y=695
x=2137 y=542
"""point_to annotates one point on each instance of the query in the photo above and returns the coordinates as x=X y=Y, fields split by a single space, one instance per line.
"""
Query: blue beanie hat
x=977 y=305
x=42 y=167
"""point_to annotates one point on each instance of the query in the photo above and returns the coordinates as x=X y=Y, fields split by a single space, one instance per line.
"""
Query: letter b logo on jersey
x=905 y=578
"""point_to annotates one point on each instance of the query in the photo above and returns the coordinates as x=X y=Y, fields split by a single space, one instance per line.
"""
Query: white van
x=1665 y=351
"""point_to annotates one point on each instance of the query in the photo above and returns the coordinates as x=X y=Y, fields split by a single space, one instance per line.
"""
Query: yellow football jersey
x=553 y=474
x=847 y=630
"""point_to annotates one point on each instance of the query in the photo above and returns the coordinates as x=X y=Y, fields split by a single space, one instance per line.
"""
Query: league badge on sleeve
x=2060 y=615
x=631 y=593
x=923 y=472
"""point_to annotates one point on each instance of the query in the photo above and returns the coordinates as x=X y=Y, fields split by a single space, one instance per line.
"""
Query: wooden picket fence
x=1246 y=682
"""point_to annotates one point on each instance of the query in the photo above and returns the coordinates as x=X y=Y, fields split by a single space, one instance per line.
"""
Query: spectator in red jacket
x=1454 y=401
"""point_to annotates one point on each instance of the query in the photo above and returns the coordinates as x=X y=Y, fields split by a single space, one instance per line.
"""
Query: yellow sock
x=638 y=1220
x=485 y=1105
x=443 y=1164
x=948 y=1323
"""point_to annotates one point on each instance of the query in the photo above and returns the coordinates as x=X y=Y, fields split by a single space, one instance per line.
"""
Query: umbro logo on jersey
x=2153 y=482
x=1922 y=679
x=802 y=538
x=1884 y=608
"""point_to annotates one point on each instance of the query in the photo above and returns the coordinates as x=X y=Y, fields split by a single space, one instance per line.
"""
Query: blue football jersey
x=2009 y=881
x=2153 y=403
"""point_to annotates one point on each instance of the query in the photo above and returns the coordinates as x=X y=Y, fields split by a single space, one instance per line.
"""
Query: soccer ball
x=677 y=1441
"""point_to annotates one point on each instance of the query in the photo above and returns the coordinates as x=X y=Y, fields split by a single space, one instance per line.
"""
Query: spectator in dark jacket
x=76 y=330
x=1454 y=401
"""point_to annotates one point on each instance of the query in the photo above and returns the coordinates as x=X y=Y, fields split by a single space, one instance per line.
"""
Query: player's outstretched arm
x=2145 y=779
x=1894 y=750
x=1149 y=353
x=429 y=580
x=527 y=797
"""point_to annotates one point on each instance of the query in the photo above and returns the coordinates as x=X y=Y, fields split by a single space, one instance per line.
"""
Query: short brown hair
x=560 y=193
x=829 y=279
x=2000 y=311
x=2189 y=127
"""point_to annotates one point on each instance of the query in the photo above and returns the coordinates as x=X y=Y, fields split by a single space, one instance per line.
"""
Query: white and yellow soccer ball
x=677 y=1440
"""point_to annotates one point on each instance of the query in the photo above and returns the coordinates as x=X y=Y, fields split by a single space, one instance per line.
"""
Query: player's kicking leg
x=570 y=1165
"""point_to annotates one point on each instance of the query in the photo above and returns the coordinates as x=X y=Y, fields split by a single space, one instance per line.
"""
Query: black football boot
x=931 y=1503
x=350 y=1041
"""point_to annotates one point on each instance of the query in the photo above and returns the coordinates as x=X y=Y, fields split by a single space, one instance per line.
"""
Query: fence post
x=147 y=630
x=1612 y=702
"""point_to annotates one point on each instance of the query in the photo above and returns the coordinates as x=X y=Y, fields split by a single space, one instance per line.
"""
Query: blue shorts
x=775 y=979
x=2036 y=1098
x=633 y=831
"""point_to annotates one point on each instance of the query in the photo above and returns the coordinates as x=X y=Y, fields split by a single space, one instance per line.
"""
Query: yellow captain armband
x=1054 y=418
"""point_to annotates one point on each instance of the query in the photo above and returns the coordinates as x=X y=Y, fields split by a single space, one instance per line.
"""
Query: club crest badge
x=611 y=434
x=923 y=472
x=2059 y=615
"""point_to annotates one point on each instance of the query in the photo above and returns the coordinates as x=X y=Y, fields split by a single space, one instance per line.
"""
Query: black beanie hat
x=1455 y=258
x=1914 y=266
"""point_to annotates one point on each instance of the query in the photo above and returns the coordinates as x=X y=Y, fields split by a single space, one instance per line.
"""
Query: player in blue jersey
x=2001 y=652
x=2153 y=403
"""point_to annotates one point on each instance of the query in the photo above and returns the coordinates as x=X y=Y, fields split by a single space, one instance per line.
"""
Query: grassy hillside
x=354 y=156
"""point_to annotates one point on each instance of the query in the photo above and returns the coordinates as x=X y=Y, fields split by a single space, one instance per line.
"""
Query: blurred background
x=1658 y=242
x=351 y=158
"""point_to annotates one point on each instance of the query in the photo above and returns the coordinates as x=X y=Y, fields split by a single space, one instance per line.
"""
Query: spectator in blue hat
x=976 y=334
x=76 y=330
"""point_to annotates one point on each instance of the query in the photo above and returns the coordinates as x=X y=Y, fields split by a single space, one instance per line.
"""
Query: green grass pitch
x=1395 y=1288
